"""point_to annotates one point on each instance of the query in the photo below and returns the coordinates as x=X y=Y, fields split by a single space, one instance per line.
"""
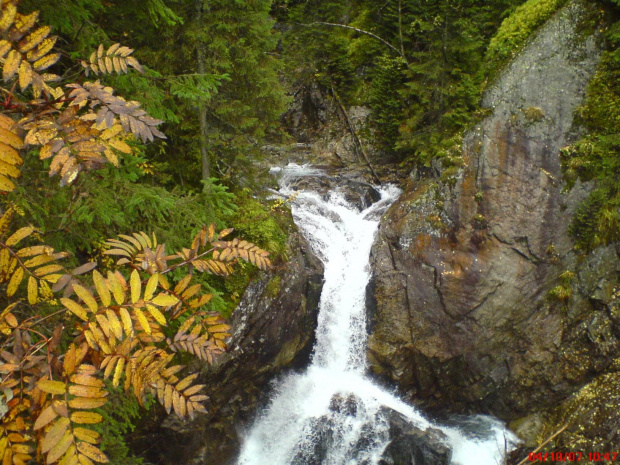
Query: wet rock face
x=461 y=307
x=355 y=191
x=273 y=329
x=413 y=446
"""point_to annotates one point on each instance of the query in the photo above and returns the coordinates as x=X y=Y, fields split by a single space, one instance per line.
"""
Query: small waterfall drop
x=333 y=414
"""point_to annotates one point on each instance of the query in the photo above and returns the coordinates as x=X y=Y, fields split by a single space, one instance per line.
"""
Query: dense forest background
x=221 y=73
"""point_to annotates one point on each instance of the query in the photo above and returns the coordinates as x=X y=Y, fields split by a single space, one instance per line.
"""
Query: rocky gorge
x=478 y=303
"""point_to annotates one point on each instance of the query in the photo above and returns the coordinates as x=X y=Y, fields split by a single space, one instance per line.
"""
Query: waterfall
x=333 y=414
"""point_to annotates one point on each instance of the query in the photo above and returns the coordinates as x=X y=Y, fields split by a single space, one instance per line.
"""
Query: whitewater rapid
x=333 y=413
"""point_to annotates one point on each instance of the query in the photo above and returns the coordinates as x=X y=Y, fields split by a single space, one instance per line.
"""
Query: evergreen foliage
x=596 y=156
x=68 y=327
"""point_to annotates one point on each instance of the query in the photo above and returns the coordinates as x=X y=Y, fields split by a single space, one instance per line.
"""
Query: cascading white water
x=333 y=414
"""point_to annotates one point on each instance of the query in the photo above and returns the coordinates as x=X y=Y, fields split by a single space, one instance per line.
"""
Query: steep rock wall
x=461 y=314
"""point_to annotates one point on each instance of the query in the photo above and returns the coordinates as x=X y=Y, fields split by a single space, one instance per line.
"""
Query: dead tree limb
x=360 y=31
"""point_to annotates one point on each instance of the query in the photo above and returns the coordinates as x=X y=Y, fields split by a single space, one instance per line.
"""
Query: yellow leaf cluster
x=115 y=59
x=27 y=51
x=37 y=263
x=10 y=142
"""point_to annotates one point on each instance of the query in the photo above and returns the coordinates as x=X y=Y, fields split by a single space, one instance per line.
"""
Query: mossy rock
x=592 y=415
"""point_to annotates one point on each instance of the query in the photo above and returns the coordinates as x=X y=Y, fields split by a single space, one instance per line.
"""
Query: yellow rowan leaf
x=178 y=403
x=115 y=324
x=60 y=447
x=11 y=65
x=86 y=435
x=47 y=270
x=86 y=418
x=34 y=39
x=70 y=360
x=115 y=130
x=86 y=297
x=15 y=281
x=35 y=250
x=44 y=47
x=219 y=328
x=52 y=278
x=5 y=46
x=70 y=457
x=85 y=403
x=54 y=434
x=168 y=398
x=25 y=75
x=163 y=282
x=20 y=234
x=126 y=320
x=23 y=23
x=118 y=371
x=135 y=286
x=112 y=158
x=102 y=288
x=46 y=61
x=191 y=291
x=182 y=285
x=33 y=289
x=151 y=286
x=87 y=380
x=59 y=161
x=75 y=308
x=51 y=386
x=90 y=339
x=9 y=170
x=120 y=146
x=19 y=449
x=86 y=391
x=84 y=460
x=100 y=338
x=6 y=185
x=181 y=385
x=92 y=452
x=165 y=300
x=192 y=389
x=45 y=417
x=117 y=288
x=144 y=322
x=159 y=317
x=9 y=10
x=7 y=153
x=103 y=323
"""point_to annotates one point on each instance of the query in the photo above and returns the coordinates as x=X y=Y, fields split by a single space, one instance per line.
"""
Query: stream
x=334 y=413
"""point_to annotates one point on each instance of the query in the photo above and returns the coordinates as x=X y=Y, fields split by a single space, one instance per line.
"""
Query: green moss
x=563 y=292
x=596 y=156
x=534 y=114
x=273 y=287
x=479 y=221
x=592 y=418
x=516 y=29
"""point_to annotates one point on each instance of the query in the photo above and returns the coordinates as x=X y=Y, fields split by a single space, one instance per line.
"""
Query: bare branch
x=360 y=31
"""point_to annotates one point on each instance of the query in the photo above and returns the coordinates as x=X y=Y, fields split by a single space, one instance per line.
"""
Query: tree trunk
x=202 y=108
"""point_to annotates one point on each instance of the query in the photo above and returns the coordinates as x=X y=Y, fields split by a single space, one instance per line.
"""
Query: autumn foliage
x=122 y=327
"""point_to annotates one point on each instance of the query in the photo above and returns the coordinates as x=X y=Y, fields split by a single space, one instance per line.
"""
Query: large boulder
x=479 y=301
x=410 y=445
x=272 y=330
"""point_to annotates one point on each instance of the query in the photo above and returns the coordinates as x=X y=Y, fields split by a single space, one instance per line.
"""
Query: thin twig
x=360 y=31
x=547 y=441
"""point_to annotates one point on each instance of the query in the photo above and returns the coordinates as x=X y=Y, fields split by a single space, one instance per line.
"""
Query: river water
x=333 y=413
